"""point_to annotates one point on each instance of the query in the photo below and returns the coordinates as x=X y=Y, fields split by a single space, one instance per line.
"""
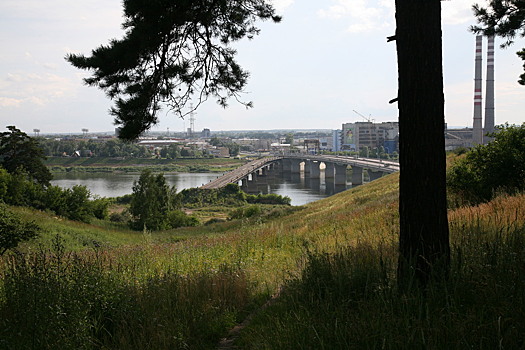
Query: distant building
x=253 y=144
x=220 y=152
x=336 y=140
x=358 y=135
x=206 y=134
x=458 y=138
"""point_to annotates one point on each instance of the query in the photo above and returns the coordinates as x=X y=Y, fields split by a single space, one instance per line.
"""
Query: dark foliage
x=173 y=52
x=230 y=194
x=14 y=230
x=490 y=169
x=19 y=152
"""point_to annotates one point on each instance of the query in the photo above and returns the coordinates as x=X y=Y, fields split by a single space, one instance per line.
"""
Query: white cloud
x=36 y=89
x=456 y=12
x=9 y=102
x=281 y=5
x=364 y=15
x=370 y=15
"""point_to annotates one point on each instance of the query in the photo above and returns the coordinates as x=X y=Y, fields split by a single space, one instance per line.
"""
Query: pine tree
x=173 y=52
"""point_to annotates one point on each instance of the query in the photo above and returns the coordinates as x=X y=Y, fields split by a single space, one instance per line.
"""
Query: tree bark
x=424 y=236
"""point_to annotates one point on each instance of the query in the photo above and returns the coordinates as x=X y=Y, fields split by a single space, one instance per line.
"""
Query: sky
x=327 y=63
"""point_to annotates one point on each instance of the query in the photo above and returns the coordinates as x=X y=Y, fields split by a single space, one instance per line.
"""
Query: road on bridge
x=241 y=172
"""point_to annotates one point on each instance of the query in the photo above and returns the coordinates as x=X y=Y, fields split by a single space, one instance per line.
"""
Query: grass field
x=332 y=262
x=106 y=164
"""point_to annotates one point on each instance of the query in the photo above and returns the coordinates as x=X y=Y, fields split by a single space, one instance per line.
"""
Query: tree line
x=114 y=148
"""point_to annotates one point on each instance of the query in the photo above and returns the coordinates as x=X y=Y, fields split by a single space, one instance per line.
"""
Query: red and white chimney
x=489 y=96
x=477 y=136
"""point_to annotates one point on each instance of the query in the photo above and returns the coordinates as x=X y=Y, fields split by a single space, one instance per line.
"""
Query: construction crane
x=370 y=120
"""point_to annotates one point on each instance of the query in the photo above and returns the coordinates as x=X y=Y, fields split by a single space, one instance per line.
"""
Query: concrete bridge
x=334 y=168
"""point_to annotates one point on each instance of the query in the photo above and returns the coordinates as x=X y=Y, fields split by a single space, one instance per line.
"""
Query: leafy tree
x=172 y=52
x=151 y=201
x=504 y=18
x=18 y=151
x=424 y=235
x=14 y=230
x=488 y=169
x=288 y=139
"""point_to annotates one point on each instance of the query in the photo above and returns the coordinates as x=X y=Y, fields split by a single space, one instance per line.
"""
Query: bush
x=246 y=212
x=493 y=168
x=125 y=199
x=99 y=207
x=77 y=202
x=119 y=217
x=178 y=218
x=270 y=198
x=13 y=230
x=214 y=221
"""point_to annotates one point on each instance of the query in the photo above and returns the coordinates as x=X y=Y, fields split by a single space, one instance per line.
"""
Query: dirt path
x=228 y=343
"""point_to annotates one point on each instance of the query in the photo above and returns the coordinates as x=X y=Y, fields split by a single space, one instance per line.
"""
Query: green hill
x=331 y=265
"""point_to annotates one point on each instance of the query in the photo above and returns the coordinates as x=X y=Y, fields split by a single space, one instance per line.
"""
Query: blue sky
x=326 y=59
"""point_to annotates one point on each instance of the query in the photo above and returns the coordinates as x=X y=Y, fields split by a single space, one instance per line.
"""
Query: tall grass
x=348 y=299
x=59 y=300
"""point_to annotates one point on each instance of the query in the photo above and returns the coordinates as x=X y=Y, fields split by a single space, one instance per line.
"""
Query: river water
x=301 y=190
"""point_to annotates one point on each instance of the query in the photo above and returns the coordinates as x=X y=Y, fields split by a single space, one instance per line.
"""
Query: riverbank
x=136 y=165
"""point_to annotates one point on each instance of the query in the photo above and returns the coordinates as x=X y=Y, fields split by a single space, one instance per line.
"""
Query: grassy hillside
x=332 y=263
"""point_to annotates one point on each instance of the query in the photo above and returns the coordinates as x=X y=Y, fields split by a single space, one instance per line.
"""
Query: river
x=300 y=190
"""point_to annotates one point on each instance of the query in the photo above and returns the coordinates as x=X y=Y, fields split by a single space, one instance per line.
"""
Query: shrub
x=119 y=217
x=493 y=168
x=178 y=218
x=125 y=199
x=99 y=207
x=270 y=198
x=77 y=202
x=13 y=230
x=246 y=212
x=214 y=221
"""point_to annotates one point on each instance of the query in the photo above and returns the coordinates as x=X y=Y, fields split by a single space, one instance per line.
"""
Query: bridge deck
x=241 y=172
x=237 y=174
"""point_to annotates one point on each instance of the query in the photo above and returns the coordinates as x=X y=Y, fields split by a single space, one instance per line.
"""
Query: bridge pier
x=315 y=169
x=286 y=165
x=295 y=166
x=357 y=176
x=329 y=171
x=374 y=175
x=340 y=174
x=307 y=166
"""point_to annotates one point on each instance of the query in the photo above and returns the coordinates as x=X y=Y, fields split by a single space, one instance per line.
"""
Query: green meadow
x=109 y=164
x=321 y=276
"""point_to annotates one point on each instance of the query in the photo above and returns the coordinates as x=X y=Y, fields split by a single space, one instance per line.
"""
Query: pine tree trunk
x=424 y=236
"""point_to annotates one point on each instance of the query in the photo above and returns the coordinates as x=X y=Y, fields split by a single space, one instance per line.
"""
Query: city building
x=358 y=135
x=336 y=140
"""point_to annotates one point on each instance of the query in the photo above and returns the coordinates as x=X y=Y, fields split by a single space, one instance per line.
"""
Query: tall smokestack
x=477 y=132
x=489 y=97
